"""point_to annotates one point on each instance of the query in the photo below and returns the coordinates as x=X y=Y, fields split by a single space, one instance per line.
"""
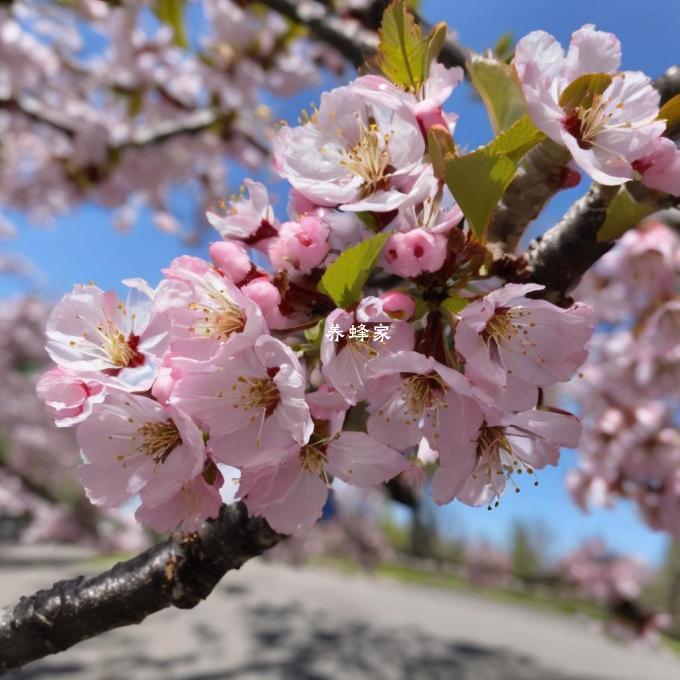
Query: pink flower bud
x=267 y=296
x=414 y=252
x=398 y=305
x=231 y=259
x=300 y=246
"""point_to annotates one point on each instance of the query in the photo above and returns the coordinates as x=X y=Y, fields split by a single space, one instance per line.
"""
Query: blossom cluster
x=629 y=393
x=104 y=102
x=37 y=487
x=248 y=359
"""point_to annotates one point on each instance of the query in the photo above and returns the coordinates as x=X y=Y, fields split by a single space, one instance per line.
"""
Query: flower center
x=219 y=319
x=507 y=325
x=256 y=393
x=588 y=120
x=313 y=459
x=123 y=352
x=369 y=158
x=158 y=439
x=423 y=391
x=498 y=459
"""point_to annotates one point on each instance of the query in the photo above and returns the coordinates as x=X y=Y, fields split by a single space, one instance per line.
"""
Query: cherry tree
x=386 y=329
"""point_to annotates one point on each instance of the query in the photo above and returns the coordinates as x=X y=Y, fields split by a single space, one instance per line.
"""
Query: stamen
x=158 y=440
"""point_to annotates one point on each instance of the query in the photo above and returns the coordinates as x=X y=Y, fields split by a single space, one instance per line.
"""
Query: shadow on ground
x=290 y=642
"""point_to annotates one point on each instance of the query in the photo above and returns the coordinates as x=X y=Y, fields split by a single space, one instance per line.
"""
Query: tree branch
x=141 y=136
x=538 y=178
x=354 y=41
x=559 y=258
x=179 y=572
x=668 y=84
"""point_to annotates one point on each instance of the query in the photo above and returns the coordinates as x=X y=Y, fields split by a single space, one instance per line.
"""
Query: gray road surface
x=271 y=621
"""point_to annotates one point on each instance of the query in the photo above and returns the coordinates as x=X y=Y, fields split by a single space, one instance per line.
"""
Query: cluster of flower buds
x=629 y=394
x=250 y=361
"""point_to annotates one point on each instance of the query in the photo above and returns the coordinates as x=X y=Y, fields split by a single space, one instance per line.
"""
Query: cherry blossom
x=131 y=443
x=195 y=501
x=90 y=330
x=355 y=152
x=420 y=397
x=605 y=133
x=508 y=445
x=209 y=312
x=291 y=494
x=508 y=334
x=240 y=394
x=346 y=360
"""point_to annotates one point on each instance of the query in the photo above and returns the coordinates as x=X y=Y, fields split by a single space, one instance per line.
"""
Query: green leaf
x=477 y=182
x=670 y=112
x=344 y=279
x=435 y=44
x=368 y=218
x=505 y=47
x=455 y=303
x=517 y=139
x=313 y=334
x=624 y=213
x=402 y=51
x=497 y=86
x=171 y=12
x=580 y=92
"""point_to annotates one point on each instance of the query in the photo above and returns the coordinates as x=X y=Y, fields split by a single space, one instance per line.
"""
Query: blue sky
x=83 y=246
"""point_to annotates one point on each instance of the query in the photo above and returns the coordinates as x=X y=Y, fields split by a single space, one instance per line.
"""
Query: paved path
x=271 y=621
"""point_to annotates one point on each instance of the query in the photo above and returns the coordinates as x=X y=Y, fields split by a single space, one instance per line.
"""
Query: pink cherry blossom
x=345 y=228
x=187 y=508
x=248 y=219
x=426 y=104
x=346 y=360
x=414 y=252
x=68 y=396
x=356 y=151
x=291 y=495
x=606 y=135
x=420 y=397
x=660 y=167
x=209 y=312
x=508 y=444
x=132 y=443
x=300 y=246
x=506 y=333
x=242 y=393
x=90 y=330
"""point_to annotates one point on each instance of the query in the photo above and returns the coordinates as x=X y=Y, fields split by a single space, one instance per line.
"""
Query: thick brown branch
x=180 y=572
x=564 y=253
x=538 y=179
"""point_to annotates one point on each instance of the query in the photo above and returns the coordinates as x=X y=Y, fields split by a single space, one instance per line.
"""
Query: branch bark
x=179 y=572
x=559 y=258
x=354 y=41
